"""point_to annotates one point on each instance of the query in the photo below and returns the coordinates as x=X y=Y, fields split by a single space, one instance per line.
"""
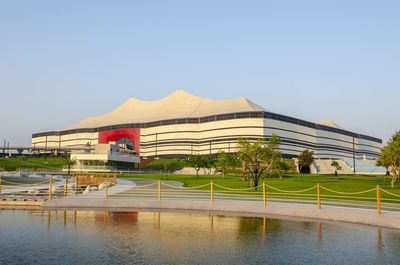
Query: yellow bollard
x=159 y=190
x=378 y=200
x=264 y=198
x=76 y=184
x=319 y=197
x=106 y=189
x=50 y=188
x=212 y=195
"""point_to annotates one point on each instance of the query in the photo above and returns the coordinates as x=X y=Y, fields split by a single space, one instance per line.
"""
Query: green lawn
x=11 y=164
x=348 y=184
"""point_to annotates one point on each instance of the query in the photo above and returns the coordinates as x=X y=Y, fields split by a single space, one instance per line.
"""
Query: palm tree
x=337 y=167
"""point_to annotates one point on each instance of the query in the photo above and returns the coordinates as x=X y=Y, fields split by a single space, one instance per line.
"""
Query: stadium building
x=182 y=124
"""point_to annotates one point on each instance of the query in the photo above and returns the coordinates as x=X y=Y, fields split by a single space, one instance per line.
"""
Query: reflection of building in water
x=172 y=230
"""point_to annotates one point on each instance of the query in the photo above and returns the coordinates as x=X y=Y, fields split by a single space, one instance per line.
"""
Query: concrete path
x=140 y=195
x=365 y=218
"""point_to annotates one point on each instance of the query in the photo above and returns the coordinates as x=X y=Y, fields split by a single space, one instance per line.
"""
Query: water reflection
x=379 y=241
x=319 y=233
x=117 y=237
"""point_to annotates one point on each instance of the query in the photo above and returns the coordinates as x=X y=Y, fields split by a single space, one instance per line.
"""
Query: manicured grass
x=11 y=164
x=348 y=184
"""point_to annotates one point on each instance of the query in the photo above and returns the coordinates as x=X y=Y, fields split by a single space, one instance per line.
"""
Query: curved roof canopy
x=177 y=105
x=329 y=123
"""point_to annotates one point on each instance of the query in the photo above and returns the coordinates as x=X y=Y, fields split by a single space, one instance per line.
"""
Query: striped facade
x=182 y=136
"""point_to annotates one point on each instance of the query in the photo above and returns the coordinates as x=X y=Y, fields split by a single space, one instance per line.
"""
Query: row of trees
x=262 y=157
x=259 y=158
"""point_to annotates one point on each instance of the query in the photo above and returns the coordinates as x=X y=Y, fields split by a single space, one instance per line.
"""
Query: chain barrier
x=348 y=193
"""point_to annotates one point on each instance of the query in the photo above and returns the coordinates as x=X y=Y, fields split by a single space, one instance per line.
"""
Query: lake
x=100 y=237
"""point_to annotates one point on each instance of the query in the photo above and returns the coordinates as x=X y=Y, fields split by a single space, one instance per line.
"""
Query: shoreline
x=363 y=217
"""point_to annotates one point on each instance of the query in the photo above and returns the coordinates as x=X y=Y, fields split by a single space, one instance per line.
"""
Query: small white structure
x=104 y=157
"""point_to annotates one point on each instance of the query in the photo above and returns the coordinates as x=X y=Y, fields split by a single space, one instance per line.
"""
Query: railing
x=14 y=190
x=89 y=179
x=322 y=197
x=33 y=169
x=48 y=188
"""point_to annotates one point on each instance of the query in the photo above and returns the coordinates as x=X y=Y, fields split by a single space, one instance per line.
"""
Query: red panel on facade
x=114 y=135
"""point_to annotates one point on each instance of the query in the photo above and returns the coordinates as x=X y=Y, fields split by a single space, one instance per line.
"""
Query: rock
x=102 y=186
x=87 y=189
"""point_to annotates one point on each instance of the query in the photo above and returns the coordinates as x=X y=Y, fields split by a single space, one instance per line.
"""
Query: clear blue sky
x=63 y=61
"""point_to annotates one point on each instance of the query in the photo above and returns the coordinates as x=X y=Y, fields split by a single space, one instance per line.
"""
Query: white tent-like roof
x=329 y=123
x=177 y=105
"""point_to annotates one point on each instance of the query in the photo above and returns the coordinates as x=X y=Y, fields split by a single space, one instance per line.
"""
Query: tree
x=166 y=166
x=222 y=163
x=233 y=163
x=226 y=163
x=198 y=161
x=209 y=163
x=70 y=162
x=258 y=157
x=281 y=167
x=383 y=162
x=336 y=165
x=390 y=156
x=305 y=159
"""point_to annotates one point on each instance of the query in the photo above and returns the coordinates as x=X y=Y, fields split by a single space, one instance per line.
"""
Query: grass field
x=11 y=164
x=344 y=184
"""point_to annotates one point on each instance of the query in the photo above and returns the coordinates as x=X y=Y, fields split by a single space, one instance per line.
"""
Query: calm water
x=41 y=237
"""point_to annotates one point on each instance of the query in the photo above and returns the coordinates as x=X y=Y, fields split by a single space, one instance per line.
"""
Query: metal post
x=244 y=177
x=264 y=198
x=319 y=197
x=45 y=149
x=0 y=183
x=378 y=200
x=106 y=189
x=354 y=158
x=156 y=143
x=212 y=196
x=50 y=188
x=159 y=190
